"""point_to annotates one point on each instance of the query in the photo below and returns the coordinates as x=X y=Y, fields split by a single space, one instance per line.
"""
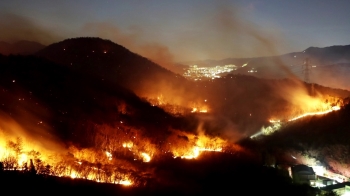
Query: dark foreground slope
x=215 y=174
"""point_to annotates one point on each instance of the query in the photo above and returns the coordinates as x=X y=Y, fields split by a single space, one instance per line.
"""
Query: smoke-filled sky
x=183 y=30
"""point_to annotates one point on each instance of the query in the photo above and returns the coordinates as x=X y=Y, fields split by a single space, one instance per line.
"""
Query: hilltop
x=112 y=62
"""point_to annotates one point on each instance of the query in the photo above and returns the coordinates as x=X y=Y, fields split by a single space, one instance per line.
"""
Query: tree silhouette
x=32 y=169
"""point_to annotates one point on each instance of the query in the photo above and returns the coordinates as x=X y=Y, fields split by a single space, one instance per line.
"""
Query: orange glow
x=114 y=158
x=146 y=157
x=201 y=110
x=334 y=108
x=190 y=146
x=73 y=175
x=178 y=107
x=125 y=182
x=127 y=145
x=109 y=155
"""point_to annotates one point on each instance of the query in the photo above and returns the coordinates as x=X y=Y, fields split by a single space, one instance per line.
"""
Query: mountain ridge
x=22 y=47
x=96 y=55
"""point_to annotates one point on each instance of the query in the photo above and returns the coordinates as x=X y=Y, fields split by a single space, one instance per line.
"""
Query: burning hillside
x=87 y=120
x=119 y=155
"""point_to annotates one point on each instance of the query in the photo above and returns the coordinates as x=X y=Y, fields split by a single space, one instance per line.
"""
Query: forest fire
x=311 y=106
x=334 y=108
x=115 y=158
x=146 y=157
x=196 y=152
x=17 y=156
x=189 y=146
x=127 y=144
x=177 y=108
x=200 y=110
x=316 y=106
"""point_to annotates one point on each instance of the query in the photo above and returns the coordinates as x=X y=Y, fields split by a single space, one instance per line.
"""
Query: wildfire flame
x=201 y=110
x=334 y=108
x=146 y=157
x=109 y=155
x=114 y=158
x=191 y=146
x=177 y=108
x=320 y=108
x=127 y=145
x=196 y=152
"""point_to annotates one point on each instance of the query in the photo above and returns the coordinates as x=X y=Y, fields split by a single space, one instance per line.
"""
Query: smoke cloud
x=29 y=129
x=29 y=122
x=227 y=32
x=16 y=28
x=133 y=40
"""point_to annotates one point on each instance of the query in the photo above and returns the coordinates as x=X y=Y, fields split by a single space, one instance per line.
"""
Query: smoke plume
x=132 y=40
x=16 y=28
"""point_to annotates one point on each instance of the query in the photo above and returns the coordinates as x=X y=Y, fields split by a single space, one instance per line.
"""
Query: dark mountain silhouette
x=112 y=62
x=330 y=55
x=21 y=47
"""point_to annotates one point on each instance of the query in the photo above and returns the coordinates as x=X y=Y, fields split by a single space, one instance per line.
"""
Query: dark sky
x=183 y=30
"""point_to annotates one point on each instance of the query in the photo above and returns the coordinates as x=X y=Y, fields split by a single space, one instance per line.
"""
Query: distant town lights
x=196 y=73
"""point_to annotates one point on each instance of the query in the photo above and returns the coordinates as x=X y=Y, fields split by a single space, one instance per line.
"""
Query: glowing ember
x=73 y=175
x=192 y=155
x=22 y=159
x=196 y=152
x=127 y=145
x=109 y=155
x=200 y=110
x=335 y=108
x=146 y=157
x=125 y=182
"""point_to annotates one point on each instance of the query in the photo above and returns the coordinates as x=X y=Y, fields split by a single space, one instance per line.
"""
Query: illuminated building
x=303 y=174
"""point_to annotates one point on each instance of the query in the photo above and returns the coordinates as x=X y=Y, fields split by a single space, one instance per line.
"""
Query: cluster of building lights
x=196 y=73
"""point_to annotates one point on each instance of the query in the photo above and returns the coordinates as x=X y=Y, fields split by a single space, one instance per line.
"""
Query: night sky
x=183 y=30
